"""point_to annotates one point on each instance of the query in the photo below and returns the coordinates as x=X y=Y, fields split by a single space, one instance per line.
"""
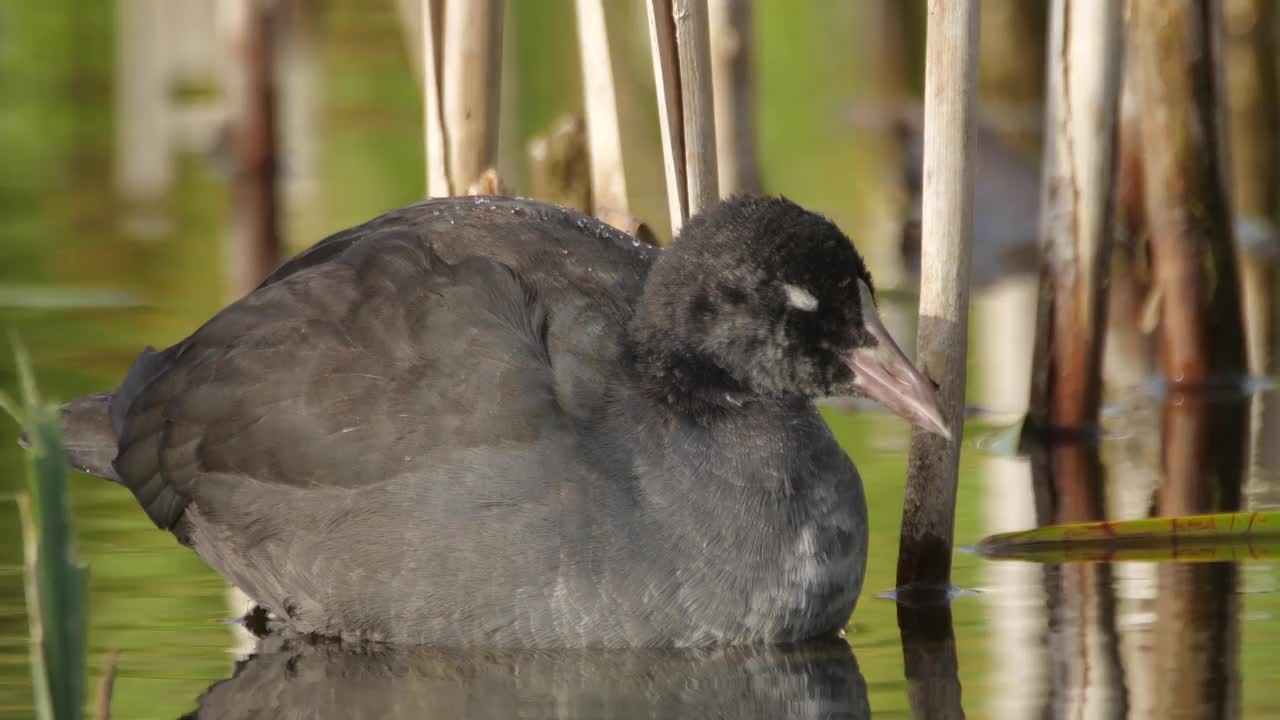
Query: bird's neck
x=687 y=382
x=671 y=371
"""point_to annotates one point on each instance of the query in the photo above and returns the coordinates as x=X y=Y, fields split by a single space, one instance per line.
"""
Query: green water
x=63 y=224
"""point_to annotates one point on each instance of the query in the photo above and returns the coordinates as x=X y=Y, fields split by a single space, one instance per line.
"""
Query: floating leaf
x=1220 y=537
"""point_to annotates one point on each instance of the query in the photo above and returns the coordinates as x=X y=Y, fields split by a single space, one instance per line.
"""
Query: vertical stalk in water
x=733 y=83
x=600 y=98
x=431 y=20
x=680 y=45
x=693 y=45
x=1192 y=251
x=472 y=61
x=666 y=79
x=1085 y=62
x=256 y=245
x=1254 y=112
x=951 y=65
x=1254 y=106
x=1129 y=352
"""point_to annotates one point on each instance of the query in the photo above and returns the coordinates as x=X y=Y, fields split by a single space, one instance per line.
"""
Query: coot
x=492 y=421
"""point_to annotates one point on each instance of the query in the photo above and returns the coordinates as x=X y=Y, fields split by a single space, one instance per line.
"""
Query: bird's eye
x=799 y=298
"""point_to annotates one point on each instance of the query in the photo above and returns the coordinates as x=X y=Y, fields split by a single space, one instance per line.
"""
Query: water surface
x=1119 y=639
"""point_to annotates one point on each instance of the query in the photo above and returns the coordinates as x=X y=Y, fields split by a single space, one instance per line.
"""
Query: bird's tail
x=91 y=425
x=88 y=436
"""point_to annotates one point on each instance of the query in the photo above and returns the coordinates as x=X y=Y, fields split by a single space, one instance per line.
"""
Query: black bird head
x=758 y=296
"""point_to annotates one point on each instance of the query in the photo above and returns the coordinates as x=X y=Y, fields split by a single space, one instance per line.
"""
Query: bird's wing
x=361 y=367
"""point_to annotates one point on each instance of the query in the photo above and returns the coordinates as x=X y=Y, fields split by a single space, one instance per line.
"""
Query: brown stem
x=733 y=79
x=256 y=240
x=1194 y=261
x=1254 y=126
x=1079 y=172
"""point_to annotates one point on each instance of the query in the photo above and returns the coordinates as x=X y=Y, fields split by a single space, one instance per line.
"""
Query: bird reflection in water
x=295 y=678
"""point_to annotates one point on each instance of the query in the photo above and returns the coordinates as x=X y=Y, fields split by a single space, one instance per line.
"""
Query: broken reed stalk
x=472 y=61
x=697 y=102
x=1085 y=63
x=559 y=171
x=951 y=64
x=256 y=245
x=600 y=98
x=559 y=167
x=733 y=83
x=431 y=18
x=1192 y=252
x=666 y=78
x=1255 y=171
x=106 y=688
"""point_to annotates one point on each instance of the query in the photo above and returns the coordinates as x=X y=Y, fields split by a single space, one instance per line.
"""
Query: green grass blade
x=26 y=378
x=39 y=674
x=38 y=297
x=56 y=579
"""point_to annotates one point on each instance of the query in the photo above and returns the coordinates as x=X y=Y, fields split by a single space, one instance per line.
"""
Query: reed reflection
x=1166 y=645
x=1087 y=675
x=929 y=661
x=1196 y=628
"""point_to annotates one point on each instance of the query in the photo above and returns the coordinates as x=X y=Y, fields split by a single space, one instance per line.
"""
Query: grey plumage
x=430 y=429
